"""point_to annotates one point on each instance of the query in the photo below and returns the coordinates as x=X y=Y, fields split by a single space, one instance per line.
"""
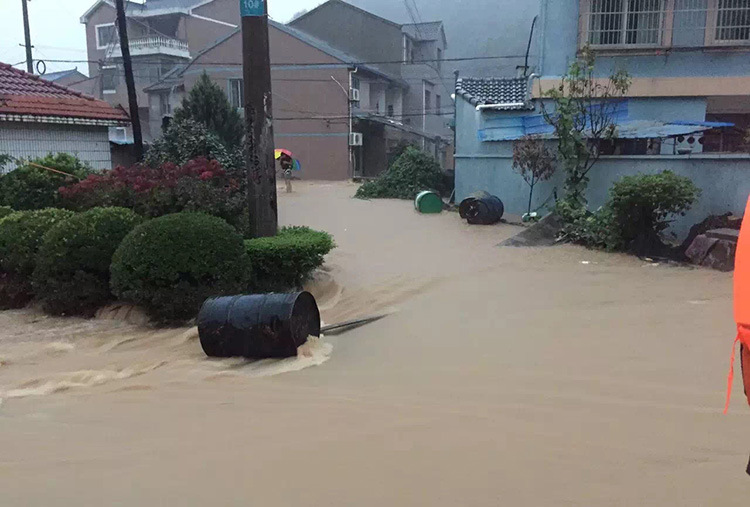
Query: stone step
x=724 y=234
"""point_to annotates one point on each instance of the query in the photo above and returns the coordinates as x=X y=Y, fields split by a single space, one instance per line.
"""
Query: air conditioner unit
x=354 y=94
x=355 y=139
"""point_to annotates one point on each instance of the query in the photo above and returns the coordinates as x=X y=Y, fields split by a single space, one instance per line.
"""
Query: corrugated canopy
x=514 y=128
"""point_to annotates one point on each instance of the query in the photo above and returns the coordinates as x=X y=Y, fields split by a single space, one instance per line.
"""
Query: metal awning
x=660 y=130
x=629 y=129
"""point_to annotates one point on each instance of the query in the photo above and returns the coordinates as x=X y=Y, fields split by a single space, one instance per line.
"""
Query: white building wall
x=34 y=140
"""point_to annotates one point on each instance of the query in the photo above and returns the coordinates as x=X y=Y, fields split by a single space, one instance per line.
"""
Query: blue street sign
x=252 y=8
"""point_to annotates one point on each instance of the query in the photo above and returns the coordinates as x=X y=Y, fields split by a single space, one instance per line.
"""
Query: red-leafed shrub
x=198 y=185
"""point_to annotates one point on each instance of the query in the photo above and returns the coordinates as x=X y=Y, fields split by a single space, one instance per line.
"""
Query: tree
x=583 y=117
x=533 y=161
x=299 y=14
x=208 y=104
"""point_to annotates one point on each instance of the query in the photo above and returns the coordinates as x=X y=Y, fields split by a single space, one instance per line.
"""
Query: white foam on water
x=313 y=353
x=78 y=379
x=59 y=347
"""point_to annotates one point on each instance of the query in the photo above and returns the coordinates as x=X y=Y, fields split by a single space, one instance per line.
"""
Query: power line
x=320 y=64
x=339 y=117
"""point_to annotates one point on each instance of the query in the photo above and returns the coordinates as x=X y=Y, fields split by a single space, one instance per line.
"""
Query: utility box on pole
x=259 y=148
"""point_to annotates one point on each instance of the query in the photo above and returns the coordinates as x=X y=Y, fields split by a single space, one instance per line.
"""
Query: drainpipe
x=529 y=85
x=543 y=9
x=351 y=122
x=457 y=74
x=347 y=93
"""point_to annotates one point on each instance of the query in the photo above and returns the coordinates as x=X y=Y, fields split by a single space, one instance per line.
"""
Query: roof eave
x=85 y=17
x=64 y=120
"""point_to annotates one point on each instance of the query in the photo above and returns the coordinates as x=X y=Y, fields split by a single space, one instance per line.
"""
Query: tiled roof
x=424 y=31
x=504 y=94
x=24 y=94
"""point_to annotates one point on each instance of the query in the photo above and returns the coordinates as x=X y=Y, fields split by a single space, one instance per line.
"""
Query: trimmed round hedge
x=283 y=262
x=72 y=267
x=172 y=264
x=21 y=236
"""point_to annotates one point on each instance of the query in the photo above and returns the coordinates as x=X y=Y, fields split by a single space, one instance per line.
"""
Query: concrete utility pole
x=259 y=154
x=122 y=28
x=27 y=34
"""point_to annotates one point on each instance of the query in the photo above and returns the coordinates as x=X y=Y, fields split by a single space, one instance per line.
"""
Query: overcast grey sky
x=57 y=34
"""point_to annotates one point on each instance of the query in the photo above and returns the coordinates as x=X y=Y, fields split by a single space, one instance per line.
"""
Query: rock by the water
x=716 y=249
x=543 y=233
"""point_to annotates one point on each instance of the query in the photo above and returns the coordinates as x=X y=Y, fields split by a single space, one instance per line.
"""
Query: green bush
x=285 y=261
x=172 y=264
x=642 y=206
x=637 y=213
x=29 y=187
x=186 y=140
x=21 y=236
x=5 y=211
x=72 y=267
x=207 y=103
x=413 y=172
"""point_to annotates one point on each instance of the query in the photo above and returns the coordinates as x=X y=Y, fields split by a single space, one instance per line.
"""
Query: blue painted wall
x=559 y=43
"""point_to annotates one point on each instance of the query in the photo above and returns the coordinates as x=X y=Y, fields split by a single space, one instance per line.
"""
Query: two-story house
x=687 y=109
x=315 y=89
x=420 y=113
x=162 y=34
x=381 y=82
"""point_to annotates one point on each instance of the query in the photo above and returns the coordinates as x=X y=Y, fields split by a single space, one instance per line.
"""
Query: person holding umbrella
x=287 y=163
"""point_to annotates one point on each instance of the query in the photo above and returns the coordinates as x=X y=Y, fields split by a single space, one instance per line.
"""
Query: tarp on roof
x=511 y=128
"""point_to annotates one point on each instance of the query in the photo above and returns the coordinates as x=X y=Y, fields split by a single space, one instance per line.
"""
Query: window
x=439 y=58
x=438 y=103
x=625 y=22
x=237 y=93
x=391 y=111
x=106 y=34
x=110 y=79
x=733 y=20
x=355 y=83
x=164 y=105
x=427 y=100
x=408 y=50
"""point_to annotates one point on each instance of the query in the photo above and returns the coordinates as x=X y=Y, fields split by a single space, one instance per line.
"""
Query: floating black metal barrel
x=258 y=326
x=482 y=208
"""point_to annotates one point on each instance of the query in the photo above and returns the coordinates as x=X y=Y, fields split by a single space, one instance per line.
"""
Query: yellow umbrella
x=279 y=153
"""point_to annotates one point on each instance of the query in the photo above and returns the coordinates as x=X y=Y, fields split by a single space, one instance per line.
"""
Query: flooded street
x=502 y=376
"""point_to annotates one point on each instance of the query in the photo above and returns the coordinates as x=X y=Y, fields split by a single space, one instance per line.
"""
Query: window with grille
x=733 y=20
x=237 y=93
x=665 y=23
x=625 y=22
x=427 y=100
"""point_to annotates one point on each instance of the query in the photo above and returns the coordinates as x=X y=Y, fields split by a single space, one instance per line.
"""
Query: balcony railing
x=152 y=45
x=622 y=24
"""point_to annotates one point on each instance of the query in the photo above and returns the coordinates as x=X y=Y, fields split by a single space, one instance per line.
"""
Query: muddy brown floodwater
x=503 y=376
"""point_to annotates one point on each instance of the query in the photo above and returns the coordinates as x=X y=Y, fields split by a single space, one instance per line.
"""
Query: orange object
x=742 y=307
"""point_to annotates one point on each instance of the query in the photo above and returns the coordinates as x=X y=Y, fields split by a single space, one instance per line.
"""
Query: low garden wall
x=723 y=179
